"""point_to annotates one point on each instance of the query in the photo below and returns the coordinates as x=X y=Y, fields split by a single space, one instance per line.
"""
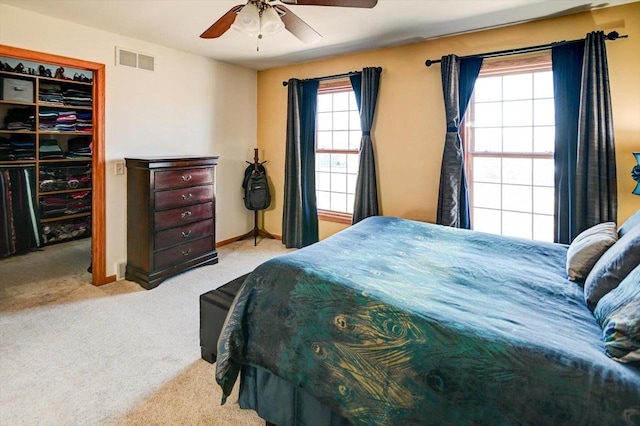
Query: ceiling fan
x=261 y=17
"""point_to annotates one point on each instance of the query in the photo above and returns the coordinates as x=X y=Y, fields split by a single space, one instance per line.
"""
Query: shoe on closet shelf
x=81 y=77
x=6 y=67
x=43 y=71
x=60 y=74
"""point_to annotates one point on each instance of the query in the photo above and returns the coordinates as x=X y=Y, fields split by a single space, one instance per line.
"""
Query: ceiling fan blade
x=297 y=26
x=368 y=4
x=222 y=24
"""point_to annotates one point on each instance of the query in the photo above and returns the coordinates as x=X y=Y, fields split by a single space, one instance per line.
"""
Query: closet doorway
x=98 y=211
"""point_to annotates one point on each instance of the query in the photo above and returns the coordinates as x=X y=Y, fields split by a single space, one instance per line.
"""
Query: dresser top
x=163 y=162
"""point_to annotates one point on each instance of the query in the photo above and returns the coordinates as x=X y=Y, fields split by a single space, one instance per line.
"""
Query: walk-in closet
x=48 y=163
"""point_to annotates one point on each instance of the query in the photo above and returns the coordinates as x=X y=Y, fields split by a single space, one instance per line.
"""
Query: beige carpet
x=75 y=354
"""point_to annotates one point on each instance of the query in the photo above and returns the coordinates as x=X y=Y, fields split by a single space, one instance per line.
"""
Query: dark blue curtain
x=366 y=86
x=300 y=214
x=458 y=79
x=597 y=190
x=586 y=187
x=567 y=73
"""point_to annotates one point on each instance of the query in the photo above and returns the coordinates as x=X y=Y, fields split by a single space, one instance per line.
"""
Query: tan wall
x=409 y=129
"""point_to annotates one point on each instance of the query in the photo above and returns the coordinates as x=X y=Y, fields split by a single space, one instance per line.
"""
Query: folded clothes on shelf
x=64 y=121
x=23 y=147
x=84 y=122
x=79 y=147
x=49 y=149
x=17 y=147
x=47 y=119
x=20 y=119
x=51 y=93
x=78 y=97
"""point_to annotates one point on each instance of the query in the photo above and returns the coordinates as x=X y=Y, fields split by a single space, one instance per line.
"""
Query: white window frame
x=527 y=65
x=325 y=87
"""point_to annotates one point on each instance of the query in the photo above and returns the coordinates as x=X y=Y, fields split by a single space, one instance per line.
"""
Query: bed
x=394 y=321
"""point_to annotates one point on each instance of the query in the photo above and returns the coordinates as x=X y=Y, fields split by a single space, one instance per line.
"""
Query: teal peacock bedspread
x=397 y=322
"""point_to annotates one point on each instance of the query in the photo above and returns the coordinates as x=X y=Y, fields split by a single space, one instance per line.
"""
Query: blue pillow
x=618 y=313
x=612 y=267
x=588 y=247
x=632 y=222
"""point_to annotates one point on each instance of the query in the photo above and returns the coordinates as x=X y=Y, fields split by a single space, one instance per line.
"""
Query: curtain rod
x=330 y=77
x=613 y=35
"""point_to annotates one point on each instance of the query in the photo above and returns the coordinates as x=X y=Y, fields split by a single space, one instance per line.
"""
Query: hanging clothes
x=19 y=216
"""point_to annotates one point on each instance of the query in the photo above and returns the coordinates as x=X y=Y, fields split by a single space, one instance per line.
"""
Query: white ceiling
x=179 y=23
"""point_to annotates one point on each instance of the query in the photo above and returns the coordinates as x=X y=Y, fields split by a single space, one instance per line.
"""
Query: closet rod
x=613 y=35
x=11 y=166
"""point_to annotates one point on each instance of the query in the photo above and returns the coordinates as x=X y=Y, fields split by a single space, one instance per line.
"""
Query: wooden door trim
x=98 y=209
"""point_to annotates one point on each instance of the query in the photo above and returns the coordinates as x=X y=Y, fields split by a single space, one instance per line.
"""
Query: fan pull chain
x=259 y=34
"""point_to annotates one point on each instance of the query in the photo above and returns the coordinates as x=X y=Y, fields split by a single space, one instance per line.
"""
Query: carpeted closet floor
x=75 y=354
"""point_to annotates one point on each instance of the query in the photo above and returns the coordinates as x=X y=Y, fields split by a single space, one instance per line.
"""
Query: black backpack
x=256 y=188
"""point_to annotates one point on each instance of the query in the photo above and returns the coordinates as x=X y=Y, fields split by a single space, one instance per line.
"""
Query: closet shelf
x=67 y=160
x=57 y=133
x=65 y=217
x=50 y=79
x=18 y=163
x=64 y=191
x=60 y=80
x=16 y=103
x=21 y=132
x=62 y=106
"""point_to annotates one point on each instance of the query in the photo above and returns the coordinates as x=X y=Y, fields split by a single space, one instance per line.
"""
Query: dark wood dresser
x=170 y=217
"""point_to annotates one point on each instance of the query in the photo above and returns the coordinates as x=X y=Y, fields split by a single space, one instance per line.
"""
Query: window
x=509 y=135
x=337 y=144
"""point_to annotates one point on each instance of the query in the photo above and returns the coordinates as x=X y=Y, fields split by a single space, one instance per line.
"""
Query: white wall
x=189 y=105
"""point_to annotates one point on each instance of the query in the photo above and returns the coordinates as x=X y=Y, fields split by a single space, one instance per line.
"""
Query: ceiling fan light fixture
x=248 y=19
x=271 y=24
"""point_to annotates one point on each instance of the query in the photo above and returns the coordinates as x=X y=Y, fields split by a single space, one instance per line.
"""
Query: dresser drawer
x=183 y=197
x=183 y=234
x=181 y=178
x=176 y=217
x=183 y=253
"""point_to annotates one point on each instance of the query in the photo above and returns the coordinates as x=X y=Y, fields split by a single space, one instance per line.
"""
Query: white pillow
x=587 y=247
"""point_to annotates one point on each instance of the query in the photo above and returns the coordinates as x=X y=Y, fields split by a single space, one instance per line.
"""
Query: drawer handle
x=187 y=196
x=186 y=253
x=185 y=214
x=186 y=178
x=186 y=234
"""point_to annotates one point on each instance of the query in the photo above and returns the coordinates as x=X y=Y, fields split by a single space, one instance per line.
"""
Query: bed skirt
x=279 y=402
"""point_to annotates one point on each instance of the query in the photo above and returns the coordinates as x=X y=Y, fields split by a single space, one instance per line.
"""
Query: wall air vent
x=129 y=58
x=145 y=62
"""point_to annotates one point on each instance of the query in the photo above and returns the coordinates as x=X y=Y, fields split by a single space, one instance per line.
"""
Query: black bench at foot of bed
x=214 y=306
x=287 y=404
